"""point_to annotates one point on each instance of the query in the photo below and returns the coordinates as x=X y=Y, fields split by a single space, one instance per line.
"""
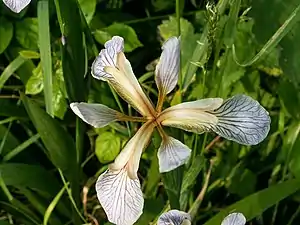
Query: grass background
x=50 y=160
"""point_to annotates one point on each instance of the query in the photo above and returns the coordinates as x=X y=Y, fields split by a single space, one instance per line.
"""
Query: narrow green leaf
x=10 y=69
x=59 y=143
x=52 y=205
x=172 y=182
x=20 y=148
x=255 y=204
x=16 y=174
x=191 y=175
x=274 y=40
x=45 y=51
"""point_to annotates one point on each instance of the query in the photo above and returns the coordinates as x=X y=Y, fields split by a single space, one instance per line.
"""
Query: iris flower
x=176 y=217
x=16 y=5
x=239 y=118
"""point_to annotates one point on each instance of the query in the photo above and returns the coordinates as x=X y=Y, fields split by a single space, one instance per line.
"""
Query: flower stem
x=133 y=118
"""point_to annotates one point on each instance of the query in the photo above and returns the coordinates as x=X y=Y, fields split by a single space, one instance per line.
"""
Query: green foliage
x=46 y=52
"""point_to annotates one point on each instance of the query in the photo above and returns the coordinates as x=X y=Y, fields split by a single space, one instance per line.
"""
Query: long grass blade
x=45 y=51
x=10 y=69
x=293 y=19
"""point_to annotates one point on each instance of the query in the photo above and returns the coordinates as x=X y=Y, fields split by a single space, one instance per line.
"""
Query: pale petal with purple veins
x=112 y=66
x=242 y=119
x=120 y=196
x=174 y=217
x=16 y=5
x=167 y=70
x=172 y=154
x=234 y=219
x=97 y=115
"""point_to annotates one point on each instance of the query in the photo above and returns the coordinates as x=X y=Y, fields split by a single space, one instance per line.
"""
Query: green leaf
x=59 y=143
x=266 y=24
x=130 y=38
x=35 y=83
x=27 y=54
x=192 y=173
x=108 y=146
x=290 y=97
x=10 y=69
x=20 y=175
x=88 y=8
x=45 y=50
x=59 y=99
x=27 y=33
x=6 y=33
x=172 y=182
x=255 y=204
x=11 y=141
x=10 y=108
x=73 y=50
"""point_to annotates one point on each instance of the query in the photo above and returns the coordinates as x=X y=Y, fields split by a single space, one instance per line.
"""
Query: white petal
x=192 y=116
x=167 y=69
x=172 y=154
x=97 y=115
x=120 y=197
x=234 y=219
x=16 y=5
x=132 y=151
x=242 y=119
x=107 y=57
x=112 y=66
x=174 y=217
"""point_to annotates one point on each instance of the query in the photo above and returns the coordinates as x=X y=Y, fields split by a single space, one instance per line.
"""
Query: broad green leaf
x=6 y=33
x=88 y=8
x=20 y=175
x=255 y=204
x=131 y=40
x=35 y=83
x=59 y=143
x=11 y=108
x=27 y=33
x=108 y=146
